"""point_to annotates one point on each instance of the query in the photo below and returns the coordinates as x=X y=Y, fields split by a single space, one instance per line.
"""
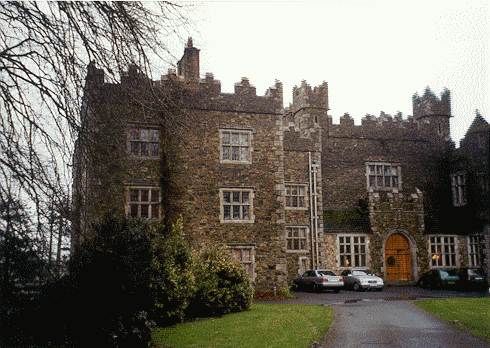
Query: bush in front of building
x=222 y=284
x=173 y=285
x=103 y=301
x=110 y=277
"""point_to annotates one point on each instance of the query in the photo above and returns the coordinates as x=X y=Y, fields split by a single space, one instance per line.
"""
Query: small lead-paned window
x=144 y=203
x=236 y=205
x=296 y=237
x=235 y=146
x=382 y=176
x=144 y=143
x=295 y=196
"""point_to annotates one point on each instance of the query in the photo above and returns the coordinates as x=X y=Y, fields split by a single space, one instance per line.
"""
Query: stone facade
x=469 y=180
x=284 y=188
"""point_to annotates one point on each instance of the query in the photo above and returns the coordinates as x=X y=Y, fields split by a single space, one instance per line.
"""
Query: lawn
x=264 y=325
x=472 y=314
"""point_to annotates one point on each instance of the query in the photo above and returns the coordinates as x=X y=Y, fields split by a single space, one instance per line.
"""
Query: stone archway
x=398 y=260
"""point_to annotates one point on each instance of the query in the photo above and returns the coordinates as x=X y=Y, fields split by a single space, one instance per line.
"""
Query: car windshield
x=359 y=273
x=326 y=273
x=448 y=273
x=472 y=273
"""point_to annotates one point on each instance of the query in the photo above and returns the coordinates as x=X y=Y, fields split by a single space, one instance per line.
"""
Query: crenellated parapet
x=430 y=105
x=385 y=201
x=384 y=126
x=306 y=97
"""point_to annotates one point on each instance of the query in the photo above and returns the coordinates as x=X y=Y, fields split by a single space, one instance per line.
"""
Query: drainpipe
x=315 y=212
x=311 y=213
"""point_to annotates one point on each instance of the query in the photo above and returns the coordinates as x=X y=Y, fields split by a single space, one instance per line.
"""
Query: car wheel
x=357 y=287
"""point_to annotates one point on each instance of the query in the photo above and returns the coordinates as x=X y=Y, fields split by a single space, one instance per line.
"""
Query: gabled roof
x=479 y=125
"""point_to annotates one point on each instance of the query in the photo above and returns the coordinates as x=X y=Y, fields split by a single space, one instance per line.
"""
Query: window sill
x=234 y=162
x=251 y=221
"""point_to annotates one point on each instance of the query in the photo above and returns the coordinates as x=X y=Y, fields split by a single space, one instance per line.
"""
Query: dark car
x=463 y=279
x=471 y=280
x=319 y=279
x=438 y=279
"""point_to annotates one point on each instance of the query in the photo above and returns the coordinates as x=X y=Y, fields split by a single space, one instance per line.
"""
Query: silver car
x=361 y=279
x=319 y=279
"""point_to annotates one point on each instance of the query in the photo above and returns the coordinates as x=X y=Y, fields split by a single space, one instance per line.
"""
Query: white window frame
x=232 y=203
x=136 y=135
x=290 y=239
x=289 y=198
x=394 y=171
x=238 y=252
x=474 y=249
x=353 y=250
x=154 y=206
x=443 y=251
x=225 y=156
x=458 y=185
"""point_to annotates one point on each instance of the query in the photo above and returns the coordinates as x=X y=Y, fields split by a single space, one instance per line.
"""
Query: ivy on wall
x=355 y=219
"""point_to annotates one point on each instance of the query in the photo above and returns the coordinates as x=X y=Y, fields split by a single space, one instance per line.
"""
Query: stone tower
x=433 y=112
x=188 y=66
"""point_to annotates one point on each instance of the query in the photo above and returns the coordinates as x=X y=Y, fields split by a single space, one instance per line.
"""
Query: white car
x=361 y=279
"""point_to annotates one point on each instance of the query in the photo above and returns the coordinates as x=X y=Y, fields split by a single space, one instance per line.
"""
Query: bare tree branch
x=45 y=48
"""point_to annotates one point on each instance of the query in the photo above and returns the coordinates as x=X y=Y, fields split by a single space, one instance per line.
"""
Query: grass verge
x=264 y=325
x=472 y=314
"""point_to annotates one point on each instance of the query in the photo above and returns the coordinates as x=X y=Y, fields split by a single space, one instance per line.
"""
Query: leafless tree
x=45 y=48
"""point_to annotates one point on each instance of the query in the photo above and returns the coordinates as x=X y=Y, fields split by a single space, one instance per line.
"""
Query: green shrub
x=173 y=284
x=222 y=284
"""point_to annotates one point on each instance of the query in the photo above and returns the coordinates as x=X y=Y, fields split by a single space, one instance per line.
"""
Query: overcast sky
x=374 y=55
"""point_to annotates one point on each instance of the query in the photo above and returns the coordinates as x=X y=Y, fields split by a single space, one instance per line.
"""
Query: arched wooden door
x=397 y=258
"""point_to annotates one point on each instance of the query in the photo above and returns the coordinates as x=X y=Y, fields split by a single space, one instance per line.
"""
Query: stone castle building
x=285 y=189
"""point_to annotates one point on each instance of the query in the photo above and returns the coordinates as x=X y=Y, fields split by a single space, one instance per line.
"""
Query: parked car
x=319 y=280
x=438 y=279
x=471 y=280
x=464 y=279
x=361 y=279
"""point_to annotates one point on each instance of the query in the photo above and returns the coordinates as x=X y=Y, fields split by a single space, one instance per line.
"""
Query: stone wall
x=203 y=175
x=347 y=148
x=394 y=212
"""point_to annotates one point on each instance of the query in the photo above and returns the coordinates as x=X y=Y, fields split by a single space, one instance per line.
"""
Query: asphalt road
x=389 y=319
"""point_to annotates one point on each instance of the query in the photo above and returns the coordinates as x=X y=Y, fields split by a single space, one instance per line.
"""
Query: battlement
x=430 y=105
x=383 y=126
x=206 y=93
x=394 y=200
x=304 y=96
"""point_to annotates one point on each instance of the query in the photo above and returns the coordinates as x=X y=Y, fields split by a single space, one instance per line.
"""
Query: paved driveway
x=389 y=319
x=400 y=324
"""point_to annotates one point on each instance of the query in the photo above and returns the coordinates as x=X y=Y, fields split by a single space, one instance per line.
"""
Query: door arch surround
x=399 y=256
